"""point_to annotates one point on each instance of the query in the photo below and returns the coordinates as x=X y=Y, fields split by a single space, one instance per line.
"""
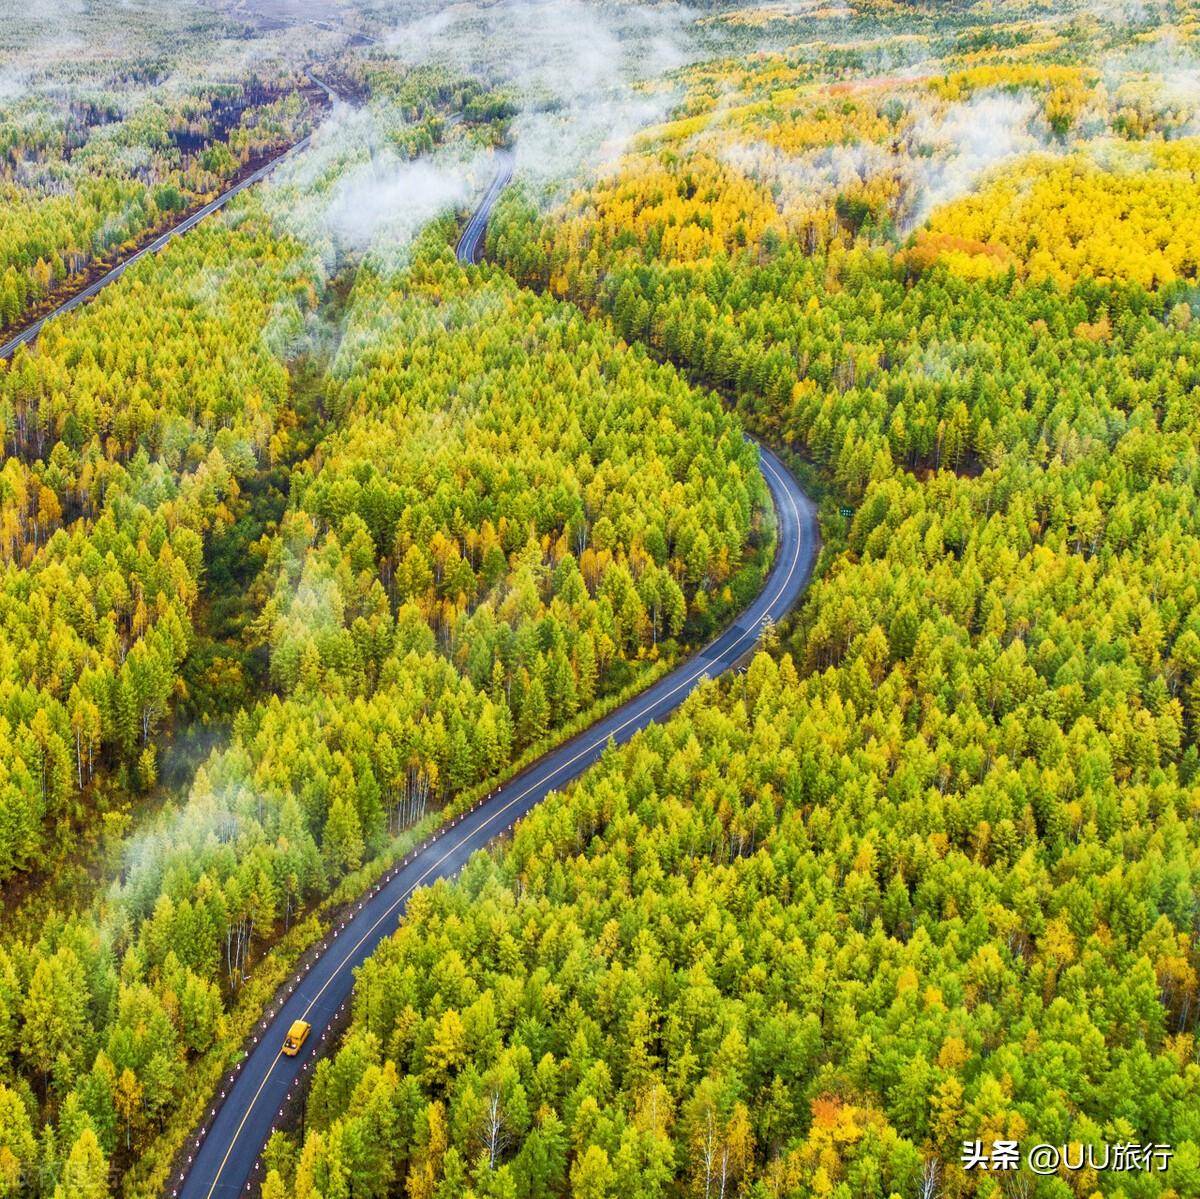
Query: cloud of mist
x=969 y=140
x=814 y=174
x=13 y=84
x=945 y=154
x=393 y=195
x=351 y=192
x=56 y=50
x=180 y=835
x=1162 y=75
x=1119 y=12
x=585 y=78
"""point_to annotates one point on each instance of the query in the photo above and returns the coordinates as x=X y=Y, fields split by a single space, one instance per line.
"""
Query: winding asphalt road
x=224 y=1156
x=30 y=332
x=470 y=245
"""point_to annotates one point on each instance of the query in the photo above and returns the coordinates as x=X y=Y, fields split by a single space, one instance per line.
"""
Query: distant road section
x=470 y=245
x=30 y=332
x=223 y=1158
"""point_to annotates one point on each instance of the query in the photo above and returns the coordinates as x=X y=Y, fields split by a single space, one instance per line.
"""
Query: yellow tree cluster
x=1109 y=212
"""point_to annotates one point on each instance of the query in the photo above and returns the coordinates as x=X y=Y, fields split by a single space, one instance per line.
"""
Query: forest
x=310 y=535
x=418 y=626
x=80 y=187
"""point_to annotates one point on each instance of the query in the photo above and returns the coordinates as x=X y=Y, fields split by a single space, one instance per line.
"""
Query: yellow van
x=296 y=1037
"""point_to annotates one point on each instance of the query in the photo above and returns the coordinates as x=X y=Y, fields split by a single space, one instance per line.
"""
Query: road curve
x=470 y=245
x=224 y=1156
x=30 y=332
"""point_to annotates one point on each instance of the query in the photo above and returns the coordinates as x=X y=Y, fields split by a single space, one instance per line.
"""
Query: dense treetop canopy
x=927 y=873
x=368 y=528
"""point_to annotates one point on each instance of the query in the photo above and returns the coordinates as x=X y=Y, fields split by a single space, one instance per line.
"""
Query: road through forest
x=30 y=332
x=224 y=1156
